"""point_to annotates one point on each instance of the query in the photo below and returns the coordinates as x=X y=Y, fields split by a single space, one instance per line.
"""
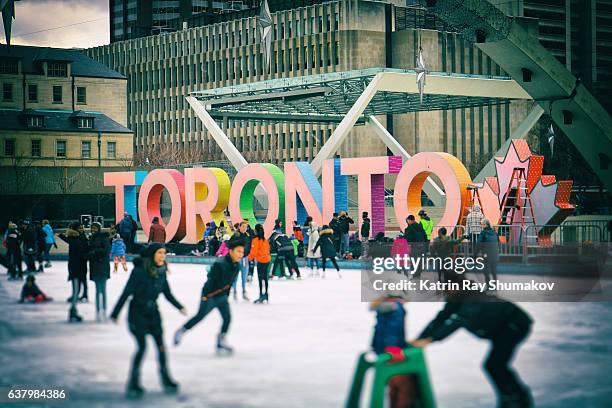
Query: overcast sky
x=38 y=15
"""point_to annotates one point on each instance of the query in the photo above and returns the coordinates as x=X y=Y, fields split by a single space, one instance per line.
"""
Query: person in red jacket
x=157 y=233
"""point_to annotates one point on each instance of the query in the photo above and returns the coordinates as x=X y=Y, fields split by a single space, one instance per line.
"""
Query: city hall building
x=322 y=37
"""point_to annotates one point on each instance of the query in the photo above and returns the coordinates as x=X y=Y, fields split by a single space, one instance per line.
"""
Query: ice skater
x=312 y=256
x=215 y=293
x=328 y=248
x=78 y=247
x=260 y=253
x=501 y=322
x=146 y=282
x=99 y=267
x=242 y=233
x=118 y=251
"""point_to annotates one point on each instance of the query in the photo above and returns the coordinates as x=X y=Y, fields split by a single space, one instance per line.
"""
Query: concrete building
x=61 y=108
x=141 y=18
x=318 y=38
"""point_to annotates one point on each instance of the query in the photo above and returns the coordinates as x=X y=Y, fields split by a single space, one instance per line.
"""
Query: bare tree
x=169 y=154
x=20 y=173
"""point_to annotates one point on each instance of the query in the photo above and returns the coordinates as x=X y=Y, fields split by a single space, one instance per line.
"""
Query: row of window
x=60 y=148
x=54 y=69
x=8 y=94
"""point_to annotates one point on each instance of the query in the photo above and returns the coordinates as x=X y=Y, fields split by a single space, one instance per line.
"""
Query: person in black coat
x=78 y=248
x=334 y=224
x=30 y=245
x=146 y=282
x=242 y=233
x=13 y=252
x=365 y=234
x=328 y=248
x=417 y=239
x=215 y=293
x=99 y=266
x=501 y=322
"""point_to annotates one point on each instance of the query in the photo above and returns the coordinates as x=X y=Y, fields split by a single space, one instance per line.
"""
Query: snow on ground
x=298 y=351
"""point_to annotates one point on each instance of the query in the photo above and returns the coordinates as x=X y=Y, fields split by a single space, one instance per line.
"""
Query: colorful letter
x=149 y=200
x=206 y=196
x=125 y=183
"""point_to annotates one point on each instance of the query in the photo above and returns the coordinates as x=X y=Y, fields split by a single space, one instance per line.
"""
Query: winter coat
x=99 y=250
x=223 y=250
x=390 y=328
x=30 y=291
x=415 y=233
x=49 y=235
x=118 y=247
x=78 y=247
x=157 y=233
x=13 y=241
x=483 y=315
x=400 y=247
x=427 y=225
x=326 y=242
x=305 y=235
x=488 y=243
x=365 y=228
x=30 y=240
x=247 y=240
x=313 y=231
x=334 y=224
x=125 y=227
x=220 y=277
x=296 y=243
x=443 y=248
x=260 y=251
x=344 y=222
x=144 y=289
x=280 y=244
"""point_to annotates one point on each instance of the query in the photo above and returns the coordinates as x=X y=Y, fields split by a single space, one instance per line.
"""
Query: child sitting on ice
x=118 y=249
x=390 y=337
x=31 y=293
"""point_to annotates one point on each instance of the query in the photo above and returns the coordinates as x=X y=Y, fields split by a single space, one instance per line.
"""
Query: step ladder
x=517 y=206
x=472 y=190
x=414 y=363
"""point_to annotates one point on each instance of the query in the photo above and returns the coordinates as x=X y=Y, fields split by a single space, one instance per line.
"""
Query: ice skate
x=73 y=316
x=222 y=347
x=134 y=390
x=84 y=299
x=168 y=384
x=263 y=298
x=48 y=265
x=235 y=295
x=178 y=336
x=339 y=275
x=245 y=297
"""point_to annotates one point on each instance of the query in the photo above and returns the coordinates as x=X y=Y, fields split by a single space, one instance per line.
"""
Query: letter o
x=409 y=183
x=154 y=184
x=243 y=189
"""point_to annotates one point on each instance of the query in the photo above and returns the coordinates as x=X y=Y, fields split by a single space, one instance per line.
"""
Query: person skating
x=417 y=239
x=312 y=256
x=78 y=248
x=49 y=242
x=215 y=293
x=365 y=234
x=157 y=232
x=118 y=251
x=125 y=228
x=285 y=253
x=242 y=233
x=13 y=252
x=344 y=222
x=147 y=281
x=334 y=224
x=41 y=241
x=328 y=249
x=501 y=322
x=99 y=266
x=30 y=245
x=426 y=223
x=260 y=253
x=488 y=245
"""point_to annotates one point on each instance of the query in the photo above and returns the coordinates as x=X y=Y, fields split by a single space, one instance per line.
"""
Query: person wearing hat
x=343 y=221
x=78 y=248
x=427 y=224
x=146 y=282
x=216 y=291
x=99 y=266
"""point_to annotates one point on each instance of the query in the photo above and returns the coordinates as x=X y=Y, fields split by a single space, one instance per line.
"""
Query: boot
x=222 y=346
x=168 y=384
x=134 y=390
x=73 y=316
x=178 y=335
x=235 y=295
x=339 y=274
x=245 y=297
x=47 y=265
x=265 y=298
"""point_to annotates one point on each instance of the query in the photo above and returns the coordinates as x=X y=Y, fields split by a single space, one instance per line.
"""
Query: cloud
x=60 y=23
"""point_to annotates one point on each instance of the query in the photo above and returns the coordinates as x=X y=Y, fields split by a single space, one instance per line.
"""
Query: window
x=57 y=69
x=60 y=148
x=112 y=150
x=36 y=148
x=32 y=93
x=36 y=121
x=57 y=94
x=85 y=123
x=81 y=94
x=8 y=66
x=86 y=150
x=9 y=147
x=7 y=92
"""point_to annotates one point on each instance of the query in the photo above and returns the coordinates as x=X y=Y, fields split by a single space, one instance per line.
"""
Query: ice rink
x=298 y=351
